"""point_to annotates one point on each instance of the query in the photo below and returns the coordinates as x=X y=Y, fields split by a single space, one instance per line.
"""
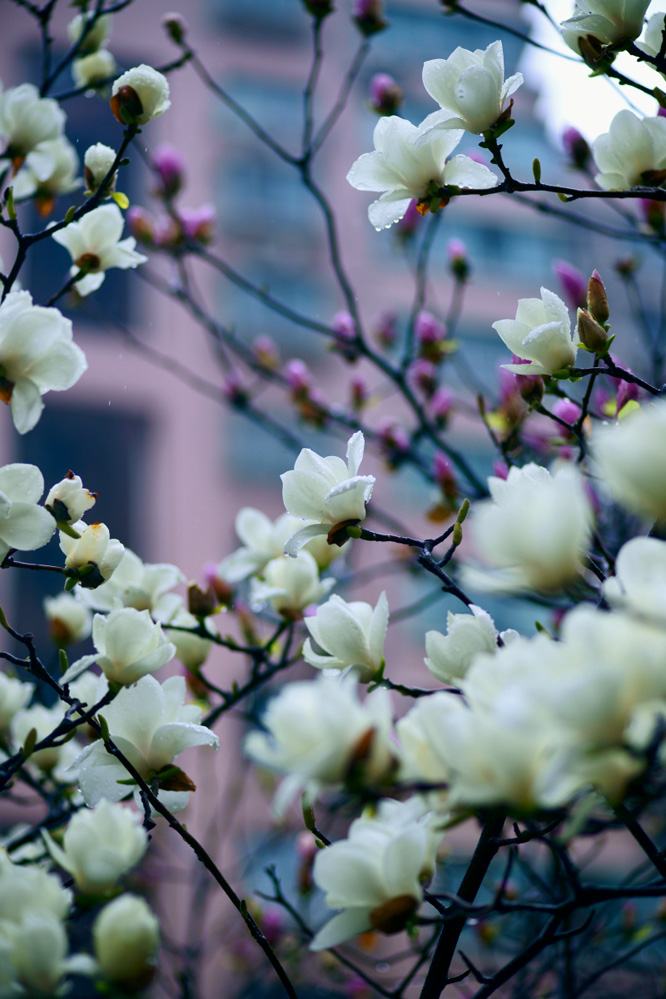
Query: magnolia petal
x=342 y=927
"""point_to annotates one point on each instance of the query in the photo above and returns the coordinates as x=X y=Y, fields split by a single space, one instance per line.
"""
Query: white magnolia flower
x=97 y=162
x=469 y=87
x=69 y=619
x=326 y=491
x=639 y=583
x=422 y=756
x=654 y=33
x=26 y=122
x=126 y=935
x=376 y=875
x=541 y=334
x=191 y=650
x=129 y=645
x=467 y=635
x=142 y=585
x=536 y=526
x=61 y=178
x=68 y=500
x=34 y=953
x=93 y=68
x=151 y=726
x=95 y=548
x=37 y=355
x=291 y=584
x=95 y=31
x=23 y=524
x=30 y=888
x=351 y=634
x=611 y=22
x=44 y=721
x=631 y=153
x=14 y=695
x=319 y=731
x=632 y=460
x=149 y=95
x=100 y=846
x=94 y=243
x=406 y=162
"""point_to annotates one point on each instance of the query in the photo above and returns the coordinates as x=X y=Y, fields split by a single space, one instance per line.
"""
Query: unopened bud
x=591 y=334
x=175 y=26
x=126 y=106
x=358 y=391
x=169 y=167
x=266 y=353
x=573 y=283
x=422 y=376
x=385 y=94
x=430 y=333
x=567 y=410
x=653 y=213
x=597 y=300
x=441 y=406
x=319 y=8
x=577 y=147
x=198 y=224
x=456 y=252
x=407 y=225
x=201 y=603
x=387 y=332
x=626 y=266
x=530 y=388
x=444 y=475
x=367 y=14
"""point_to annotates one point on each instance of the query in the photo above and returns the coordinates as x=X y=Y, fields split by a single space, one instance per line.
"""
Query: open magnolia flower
x=37 y=355
x=151 y=726
x=376 y=875
x=14 y=695
x=23 y=524
x=69 y=619
x=469 y=87
x=95 y=245
x=610 y=22
x=320 y=733
x=291 y=584
x=326 y=491
x=536 y=526
x=142 y=585
x=93 y=68
x=27 y=122
x=100 y=846
x=410 y=162
x=94 y=550
x=541 y=334
x=639 y=583
x=139 y=95
x=632 y=153
x=467 y=635
x=351 y=635
x=126 y=935
x=31 y=180
x=129 y=645
x=632 y=460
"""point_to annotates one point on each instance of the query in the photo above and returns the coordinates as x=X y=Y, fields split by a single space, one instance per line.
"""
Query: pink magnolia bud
x=394 y=441
x=345 y=328
x=359 y=393
x=175 y=26
x=626 y=392
x=298 y=376
x=234 y=390
x=653 y=214
x=430 y=333
x=167 y=234
x=266 y=352
x=169 y=167
x=567 y=410
x=407 y=225
x=576 y=147
x=368 y=16
x=597 y=300
x=501 y=470
x=444 y=475
x=387 y=332
x=422 y=376
x=573 y=283
x=198 y=223
x=385 y=94
x=441 y=406
x=272 y=924
x=141 y=225
x=456 y=251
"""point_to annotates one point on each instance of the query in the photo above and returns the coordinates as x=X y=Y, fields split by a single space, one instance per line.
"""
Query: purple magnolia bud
x=567 y=410
x=456 y=251
x=428 y=328
x=394 y=440
x=572 y=282
x=422 y=376
x=385 y=94
x=653 y=213
x=169 y=167
x=141 y=225
x=272 y=924
x=234 y=390
x=444 y=475
x=346 y=342
x=167 y=234
x=198 y=223
x=359 y=393
x=500 y=470
x=576 y=147
x=626 y=392
x=368 y=16
x=298 y=376
x=266 y=352
x=441 y=406
x=661 y=113
x=387 y=332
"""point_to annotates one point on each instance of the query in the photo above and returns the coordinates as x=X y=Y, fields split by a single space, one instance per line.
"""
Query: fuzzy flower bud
x=140 y=95
x=572 y=281
x=577 y=148
x=430 y=333
x=367 y=14
x=126 y=935
x=266 y=353
x=590 y=333
x=385 y=94
x=96 y=164
x=456 y=253
x=597 y=300
x=422 y=376
x=175 y=26
x=169 y=167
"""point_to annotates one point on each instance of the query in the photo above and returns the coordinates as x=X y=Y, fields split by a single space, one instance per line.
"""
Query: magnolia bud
x=387 y=332
x=385 y=94
x=444 y=475
x=319 y=8
x=573 y=284
x=266 y=353
x=201 y=603
x=430 y=333
x=591 y=334
x=169 y=167
x=407 y=225
x=367 y=14
x=126 y=937
x=141 y=225
x=597 y=301
x=577 y=148
x=126 y=105
x=175 y=26
x=422 y=376
x=456 y=252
